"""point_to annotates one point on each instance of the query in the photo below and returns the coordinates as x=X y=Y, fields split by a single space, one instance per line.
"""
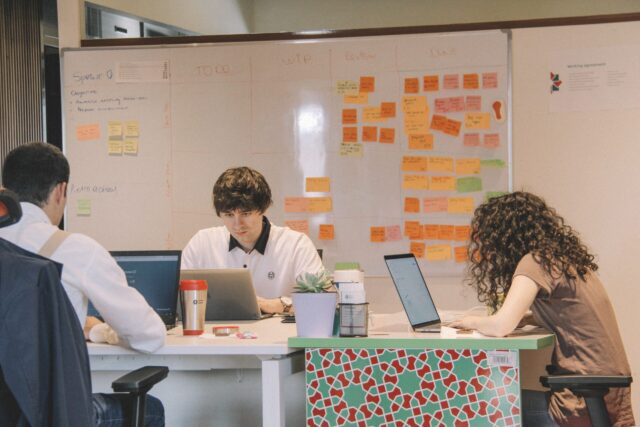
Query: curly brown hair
x=508 y=227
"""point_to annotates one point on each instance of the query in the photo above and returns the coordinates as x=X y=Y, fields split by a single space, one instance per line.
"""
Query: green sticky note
x=493 y=163
x=468 y=184
x=347 y=266
x=492 y=194
x=84 y=207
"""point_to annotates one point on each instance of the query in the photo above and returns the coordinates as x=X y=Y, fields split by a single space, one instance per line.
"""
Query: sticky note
x=320 y=184
x=416 y=124
x=473 y=103
x=430 y=83
x=114 y=129
x=349 y=134
x=83 y=207
x=413 y=230
x=367 y=84
x=491 y=140
x=471 y=140
x=414 y=164
x=470 y=81
x=460 y=205
x=468 y=184
x=493 y=163
x=351 y=150
x=489 y=80
x=319 y=204
x=438 y=122
x=438 y=253
x=449 y=105
x=114 y=147
x=387 y=135
x=369 y=134
x=415 y=182
x=387 y=110
x=130 y=146
x=445 y=232
x=477 y=120
x=371 y=115
x=417 y=249
x=326 y=232
x=411 y=85
x=300 y=225
x=347 y=87
x=411 y=205
x=468 y=166
x=131 y=128
x=349 y=116
x=360 y=98
x=450 y=81
x=295 y=204
x=462 y=233
x=347 y=266
x=430 y=231
x=378 y=234
x=413 y=103
x=392 y=233
x=461 y=254
x=452 y=127
x=440 y=164
x=491 y=194
x=435 y=204
x=90 y=132
x=421 y=141
x=442 y=183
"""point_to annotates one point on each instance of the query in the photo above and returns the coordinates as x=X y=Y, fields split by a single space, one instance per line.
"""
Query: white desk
x=269 y=353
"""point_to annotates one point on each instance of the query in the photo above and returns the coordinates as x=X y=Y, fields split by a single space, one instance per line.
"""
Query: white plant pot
x=315 y=313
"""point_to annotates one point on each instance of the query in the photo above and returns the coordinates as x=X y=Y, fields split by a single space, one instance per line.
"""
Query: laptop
x=155 y=275
x=230 y=294
x=413 y=292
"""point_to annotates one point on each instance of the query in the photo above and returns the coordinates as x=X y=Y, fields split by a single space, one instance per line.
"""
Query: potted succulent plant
x=314 y=302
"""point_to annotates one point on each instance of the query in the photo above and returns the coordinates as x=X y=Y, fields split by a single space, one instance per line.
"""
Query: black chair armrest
x=141 y=380
x=571 y=381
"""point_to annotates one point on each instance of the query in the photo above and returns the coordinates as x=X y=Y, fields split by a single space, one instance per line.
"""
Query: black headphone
x=10 y=210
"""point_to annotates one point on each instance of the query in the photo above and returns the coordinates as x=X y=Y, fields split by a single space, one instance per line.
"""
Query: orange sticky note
x=440 y=164
x=413 y=230
x=491 y=140
x=470 y=81
x=301 y=225
x=461 y=253
x=295 y=204
x=442 y=183
x=445 y=232
x=460 y=205
x=320 y=184
x=462 y=233
x=377 y=234
x=367 y=84
x=411 y=205
x=450 y=81
x=421 y=141
x=319 y=204
x=360 y=98
x=388 y=109
x=89 y=132
x=471 y=139
x=349 y=134
x=438 y=122
x=369 y=134
x=489 y=80
x=477 y=120
x=430 y=83
x=326 y=232
x=438 y=253
x=414 y=103
x=435 y=204
x=392 y=233
x=414 y=164
x=417 y=249
x=473 y=103
x=387 y=135
x=430 y=231
x=468 y=166
x=416 y=182
x=349 y=116
x=452 y=127
x=416 y=122
x=411 y=85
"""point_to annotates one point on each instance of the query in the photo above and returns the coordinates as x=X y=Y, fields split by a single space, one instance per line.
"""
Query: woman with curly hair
x=522 y=250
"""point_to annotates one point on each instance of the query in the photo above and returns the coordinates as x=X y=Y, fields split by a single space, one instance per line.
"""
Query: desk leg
x=274 y=372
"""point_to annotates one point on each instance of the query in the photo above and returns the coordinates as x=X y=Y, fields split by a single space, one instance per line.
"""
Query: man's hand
x=90 y=323
x=270 y=305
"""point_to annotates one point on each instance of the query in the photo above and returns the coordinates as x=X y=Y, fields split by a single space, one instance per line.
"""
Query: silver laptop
x=230 y=294
x=413 y=292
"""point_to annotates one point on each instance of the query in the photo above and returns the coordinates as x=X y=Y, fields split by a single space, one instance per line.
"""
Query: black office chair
x=45 y=378
x=592 y=388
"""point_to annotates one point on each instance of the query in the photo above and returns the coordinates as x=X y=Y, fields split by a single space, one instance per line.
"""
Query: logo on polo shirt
x=271 y=275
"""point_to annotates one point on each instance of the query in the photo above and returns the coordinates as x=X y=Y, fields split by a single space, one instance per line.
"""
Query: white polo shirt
x=287 y=254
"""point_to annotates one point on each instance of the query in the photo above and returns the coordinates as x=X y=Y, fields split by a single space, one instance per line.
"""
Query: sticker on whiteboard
x=501 y=358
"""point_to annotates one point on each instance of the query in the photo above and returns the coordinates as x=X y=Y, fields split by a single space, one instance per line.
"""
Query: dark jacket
x=43 y=356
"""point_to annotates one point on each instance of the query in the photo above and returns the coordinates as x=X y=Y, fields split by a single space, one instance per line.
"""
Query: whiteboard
x=149 y=129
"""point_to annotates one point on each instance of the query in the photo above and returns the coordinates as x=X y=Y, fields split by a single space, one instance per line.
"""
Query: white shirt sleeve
x=305 y=257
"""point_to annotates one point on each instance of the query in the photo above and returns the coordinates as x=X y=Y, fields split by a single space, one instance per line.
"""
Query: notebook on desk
x=413 y=292
x=155 y=275
x=230 y=295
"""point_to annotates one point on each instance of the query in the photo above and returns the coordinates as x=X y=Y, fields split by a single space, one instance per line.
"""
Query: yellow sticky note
x=416 y=182
x=477 y=120
x=321 y=184
x=319 y=204
x=114 y=147
x=359 y=98
x=295 y=204
x=347 y=87
x=132 y=128
x=440 y=164
x=83 y=207
x=326 y=232
x=438 y=252
x=468 y=166
x=378 y=234
x=130 y=146
x=300 y=225
x=114 y=130
x=414 y=102
x=460 y=205
x=371 y=115
x=421 y=141
x=351 y=150
x=442 y=183
x=89 y=132
x=414 y=164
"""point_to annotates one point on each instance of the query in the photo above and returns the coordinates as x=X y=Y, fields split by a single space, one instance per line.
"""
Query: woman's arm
x=519 y=298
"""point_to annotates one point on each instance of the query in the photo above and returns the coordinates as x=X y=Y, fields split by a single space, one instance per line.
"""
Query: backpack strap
x=53 y=243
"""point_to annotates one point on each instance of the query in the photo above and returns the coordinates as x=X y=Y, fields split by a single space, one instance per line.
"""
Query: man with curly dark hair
x=521 y=249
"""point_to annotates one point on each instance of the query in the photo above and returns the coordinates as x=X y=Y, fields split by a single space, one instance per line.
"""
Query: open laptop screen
x=155 y=275
x=412 y=289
